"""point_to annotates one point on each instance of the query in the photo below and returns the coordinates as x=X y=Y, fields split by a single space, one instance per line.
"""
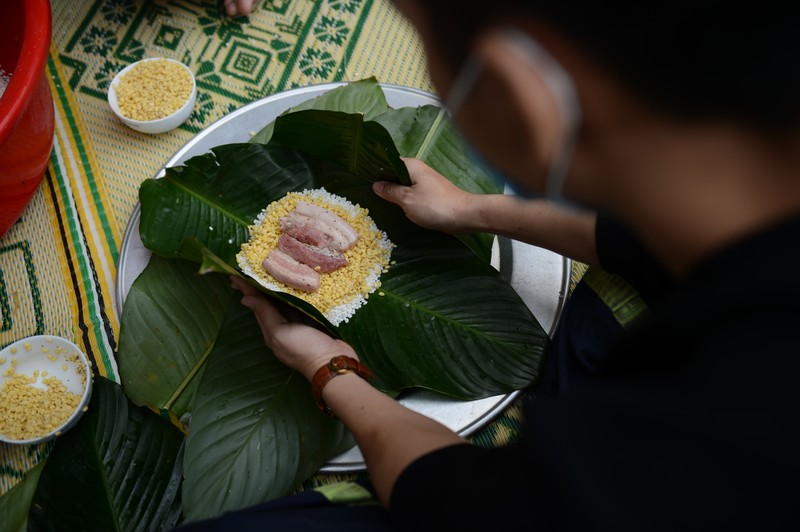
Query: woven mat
x=58 y=263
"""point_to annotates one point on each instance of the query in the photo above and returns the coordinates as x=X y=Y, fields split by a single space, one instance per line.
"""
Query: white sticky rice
x=341 y=292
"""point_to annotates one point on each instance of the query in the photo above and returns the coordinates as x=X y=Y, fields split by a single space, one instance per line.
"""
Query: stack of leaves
x=447 y=322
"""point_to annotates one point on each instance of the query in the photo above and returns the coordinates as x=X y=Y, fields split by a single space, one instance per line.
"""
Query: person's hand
x=432 y=201
x=293 y=339
x=238 y=7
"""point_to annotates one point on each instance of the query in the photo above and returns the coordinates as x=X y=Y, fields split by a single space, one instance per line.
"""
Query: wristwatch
x=338 y=365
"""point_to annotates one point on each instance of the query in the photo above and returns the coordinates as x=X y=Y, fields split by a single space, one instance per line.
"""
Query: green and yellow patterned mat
x=58 y=263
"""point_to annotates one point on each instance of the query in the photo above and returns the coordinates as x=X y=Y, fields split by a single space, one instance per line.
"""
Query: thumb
x=266 y=313
x=388 y=191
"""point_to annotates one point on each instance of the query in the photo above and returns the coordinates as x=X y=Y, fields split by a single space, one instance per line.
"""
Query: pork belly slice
x=291 y=272
x=313 y=231
x=310 y=231
x=323 y=260
x=329 y=219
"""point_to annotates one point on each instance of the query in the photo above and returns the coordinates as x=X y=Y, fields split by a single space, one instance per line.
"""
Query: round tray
x=539 y=276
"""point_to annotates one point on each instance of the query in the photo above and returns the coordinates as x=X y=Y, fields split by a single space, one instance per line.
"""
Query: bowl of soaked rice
x=153 y=95
x=45 y=387
x=342 y=292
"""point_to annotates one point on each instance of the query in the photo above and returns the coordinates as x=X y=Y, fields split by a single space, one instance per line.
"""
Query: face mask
x=564 y=94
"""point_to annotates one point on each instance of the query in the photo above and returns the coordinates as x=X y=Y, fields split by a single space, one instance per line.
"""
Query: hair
x=697 y=59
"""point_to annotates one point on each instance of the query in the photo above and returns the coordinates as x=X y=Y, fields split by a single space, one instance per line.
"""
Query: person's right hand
x=432 y=201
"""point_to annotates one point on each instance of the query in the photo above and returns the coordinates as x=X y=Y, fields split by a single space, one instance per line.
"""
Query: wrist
x=475 y=211
x=311 y=368
x=335 y=367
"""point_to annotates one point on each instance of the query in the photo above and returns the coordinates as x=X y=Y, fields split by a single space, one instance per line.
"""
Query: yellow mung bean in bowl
x=153 y=95
x=45 y=386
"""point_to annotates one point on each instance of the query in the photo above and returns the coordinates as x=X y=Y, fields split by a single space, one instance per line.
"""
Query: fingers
x=245 y=6
x=414 y=166
x=238 y=7
x=242 y=286
x=266 y=313
x=273 y=311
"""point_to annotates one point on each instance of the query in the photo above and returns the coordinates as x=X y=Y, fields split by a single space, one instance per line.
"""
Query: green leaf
x=363 y=148
x=15 y=503
x=215 y=197
x=119 y=468
x=256 y=432
x=446 y=321
x=427 y=134
x=172 y=309
x=424 y=132
x=170 y=322
x=212 y=264
x=457 y=331
x=365 y=97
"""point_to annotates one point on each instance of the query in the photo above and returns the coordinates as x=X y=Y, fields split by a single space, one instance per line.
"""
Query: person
x=234 y=8
x=679 y=122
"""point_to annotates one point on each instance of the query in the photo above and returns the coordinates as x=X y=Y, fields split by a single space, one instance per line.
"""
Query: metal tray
x=541 y=277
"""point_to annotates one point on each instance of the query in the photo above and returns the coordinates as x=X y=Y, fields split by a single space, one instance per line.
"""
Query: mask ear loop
x=563 y=89
x=561 y=86
x=463 y=84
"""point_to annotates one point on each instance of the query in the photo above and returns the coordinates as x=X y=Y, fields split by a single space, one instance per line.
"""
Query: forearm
x=535 y=222
x=389 y=435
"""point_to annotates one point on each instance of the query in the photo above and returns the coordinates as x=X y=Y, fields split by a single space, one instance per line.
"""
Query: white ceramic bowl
x=57 y=357
x=160 y=125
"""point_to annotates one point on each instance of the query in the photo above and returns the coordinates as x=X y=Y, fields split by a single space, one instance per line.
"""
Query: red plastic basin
x=26 y=106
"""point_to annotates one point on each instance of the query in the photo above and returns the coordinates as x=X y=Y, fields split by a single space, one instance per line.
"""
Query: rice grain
x=341 y=292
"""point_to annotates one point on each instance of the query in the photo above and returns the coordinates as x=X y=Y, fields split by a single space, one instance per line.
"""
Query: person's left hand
x=238 y=7
x=292 y=338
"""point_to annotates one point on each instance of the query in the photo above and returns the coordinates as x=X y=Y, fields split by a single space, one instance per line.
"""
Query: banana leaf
x=119 y=468
x=423 y=133
x=211 y=263
x=364 y=96
x=15 y=503
x=427 y=134
x=227 y=187
x=443 y=319
x=439 y=289
x=239 y=392
x=448 y=287
x=363 y=148
x=256 y=432
x=171 y=319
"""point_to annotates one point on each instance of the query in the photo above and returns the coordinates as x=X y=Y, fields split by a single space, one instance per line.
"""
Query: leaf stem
x=188 y=378
x=432 y=132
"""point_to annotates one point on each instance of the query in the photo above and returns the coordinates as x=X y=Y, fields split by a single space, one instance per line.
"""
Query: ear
x=513 y=115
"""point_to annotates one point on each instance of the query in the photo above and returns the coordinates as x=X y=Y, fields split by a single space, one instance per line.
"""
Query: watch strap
x=338 y=365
